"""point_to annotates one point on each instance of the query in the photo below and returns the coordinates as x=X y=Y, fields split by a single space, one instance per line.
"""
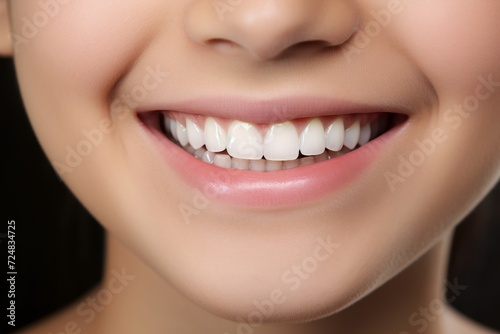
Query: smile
x=240 y=153
x=291 y=144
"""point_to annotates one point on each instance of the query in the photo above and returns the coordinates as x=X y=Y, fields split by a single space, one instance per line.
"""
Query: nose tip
x=268 y=29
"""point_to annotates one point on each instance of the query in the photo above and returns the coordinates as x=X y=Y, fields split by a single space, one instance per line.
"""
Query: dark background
x=59 y=245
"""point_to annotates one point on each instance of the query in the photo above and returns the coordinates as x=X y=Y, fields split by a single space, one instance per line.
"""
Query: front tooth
x=182 y=136
x=222 y=160
x=195 y=134
x=335 y=135
x=281 y=142
x=244 y=141
x=312 y=138
x=351 y=136
x=365 y=134
x=215 y=136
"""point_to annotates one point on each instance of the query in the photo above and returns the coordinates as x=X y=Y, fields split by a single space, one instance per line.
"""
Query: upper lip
x=270 y=110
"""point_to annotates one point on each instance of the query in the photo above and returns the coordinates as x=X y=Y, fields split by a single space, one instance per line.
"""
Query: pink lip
x=269 y=189
x=269 y=111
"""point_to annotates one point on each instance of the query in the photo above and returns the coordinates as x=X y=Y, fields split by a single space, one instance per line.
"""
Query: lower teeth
x=224 y=160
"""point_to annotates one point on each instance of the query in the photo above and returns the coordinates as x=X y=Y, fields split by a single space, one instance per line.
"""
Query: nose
x=269 y=29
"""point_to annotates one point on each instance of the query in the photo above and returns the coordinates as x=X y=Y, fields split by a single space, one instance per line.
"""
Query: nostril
x=222 y=43
x=267 y=30
x=309 y=47
x=313 y=45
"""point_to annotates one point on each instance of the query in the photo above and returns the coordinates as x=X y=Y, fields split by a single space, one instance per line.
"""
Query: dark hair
x=59 y=246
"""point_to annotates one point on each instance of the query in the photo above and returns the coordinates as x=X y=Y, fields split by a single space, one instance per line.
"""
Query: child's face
x=324 y=234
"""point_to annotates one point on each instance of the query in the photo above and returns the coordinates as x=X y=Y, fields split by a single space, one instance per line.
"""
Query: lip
x=280 y=189
x=269 y=110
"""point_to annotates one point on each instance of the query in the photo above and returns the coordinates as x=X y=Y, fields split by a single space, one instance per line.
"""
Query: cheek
x=452 y=42
x=456 y=45
x=69 y=64
x=86 y=45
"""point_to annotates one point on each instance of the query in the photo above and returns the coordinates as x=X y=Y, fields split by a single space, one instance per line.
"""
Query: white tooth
x=290 y=164
x=182 y=136
x=312 y=138
x=351 y=136
x=208 y=157
x=257 y=165
x=199 y=153
x=364 y=135
x=281 y=142
x=272 y=166
x=335 y=135
x=195 y=134
x=215 y=136
x=306 y=161
x=244 y=141
x=239 y=163
x=222 y=160
x=166 y=124
x=173 y=129
x=190 y=149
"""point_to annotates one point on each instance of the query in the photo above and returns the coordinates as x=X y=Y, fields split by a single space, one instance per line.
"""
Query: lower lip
x=278 y=189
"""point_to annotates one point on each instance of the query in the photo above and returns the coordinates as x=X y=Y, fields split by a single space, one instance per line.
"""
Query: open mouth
x=271 y=147
x=241 y=153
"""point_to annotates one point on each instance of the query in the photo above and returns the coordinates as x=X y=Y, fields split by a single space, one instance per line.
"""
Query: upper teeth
x=281 y=142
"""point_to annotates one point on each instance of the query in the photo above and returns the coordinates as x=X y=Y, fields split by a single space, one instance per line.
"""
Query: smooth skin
x=436 y=61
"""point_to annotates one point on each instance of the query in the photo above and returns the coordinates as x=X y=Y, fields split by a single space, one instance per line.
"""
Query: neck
x=409 y=303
